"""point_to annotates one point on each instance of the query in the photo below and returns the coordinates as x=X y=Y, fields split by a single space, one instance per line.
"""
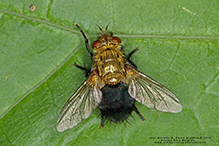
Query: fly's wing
x=151 y=93
x=79 y=106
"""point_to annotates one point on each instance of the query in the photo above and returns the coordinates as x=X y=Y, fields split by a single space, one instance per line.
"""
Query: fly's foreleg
x=86 y=41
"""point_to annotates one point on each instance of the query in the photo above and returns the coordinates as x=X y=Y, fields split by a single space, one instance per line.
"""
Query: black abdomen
x=116 y=104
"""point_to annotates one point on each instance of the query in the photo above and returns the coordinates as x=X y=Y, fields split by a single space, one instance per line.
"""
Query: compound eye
x=96 y=43
x=116 y=40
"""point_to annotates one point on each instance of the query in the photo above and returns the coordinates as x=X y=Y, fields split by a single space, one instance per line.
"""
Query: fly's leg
x=87 y=71
x=102 y=121
x=136 y=110
x=129 y=55
x=86 y=41
x=122 y=48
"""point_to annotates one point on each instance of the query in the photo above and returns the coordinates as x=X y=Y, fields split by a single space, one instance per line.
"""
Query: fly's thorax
x=109 y=58
x=110 y=65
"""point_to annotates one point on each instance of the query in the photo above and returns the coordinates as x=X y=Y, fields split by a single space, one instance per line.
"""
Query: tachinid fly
x=113 y=85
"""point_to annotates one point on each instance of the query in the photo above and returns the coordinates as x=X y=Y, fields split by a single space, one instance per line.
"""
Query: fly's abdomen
x=116 y=104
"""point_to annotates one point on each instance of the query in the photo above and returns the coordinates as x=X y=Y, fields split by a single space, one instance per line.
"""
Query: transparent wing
x=152 y=94
x=79 y=106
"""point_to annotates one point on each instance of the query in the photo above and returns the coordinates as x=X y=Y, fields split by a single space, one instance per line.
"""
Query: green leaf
x=178 y=47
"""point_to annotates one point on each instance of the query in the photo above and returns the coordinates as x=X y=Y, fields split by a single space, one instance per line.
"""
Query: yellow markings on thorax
x=110 y=68
x=113 y=80
x=108 y=60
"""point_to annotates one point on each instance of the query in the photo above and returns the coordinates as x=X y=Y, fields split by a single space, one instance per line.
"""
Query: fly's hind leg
x=102 y=121
x=86 y=41
x=87 y=71
x=136 y=110
x=129 y=55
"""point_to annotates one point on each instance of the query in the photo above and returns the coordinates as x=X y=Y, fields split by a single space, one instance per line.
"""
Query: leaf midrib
x=156 y=36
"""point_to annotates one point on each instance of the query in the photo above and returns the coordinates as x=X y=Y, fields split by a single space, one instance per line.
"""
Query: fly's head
x=106 y=41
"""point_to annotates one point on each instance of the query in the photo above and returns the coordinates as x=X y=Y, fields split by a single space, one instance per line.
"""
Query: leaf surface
x=178 y=47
